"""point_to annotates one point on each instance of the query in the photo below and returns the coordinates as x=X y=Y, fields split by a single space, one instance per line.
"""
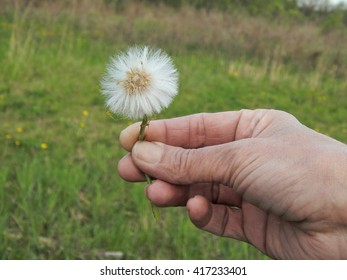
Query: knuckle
x=183 y=164
x=197 y=130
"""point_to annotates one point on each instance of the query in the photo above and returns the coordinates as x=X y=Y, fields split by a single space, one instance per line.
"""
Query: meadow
x=60 y=194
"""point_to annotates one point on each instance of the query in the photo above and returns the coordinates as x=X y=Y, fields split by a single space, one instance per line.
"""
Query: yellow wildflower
x=82 y=125
x=44 y=146
x=19 y=129
x=8 y=136
x=233 y=72
x=17 y=142
x=85 y=113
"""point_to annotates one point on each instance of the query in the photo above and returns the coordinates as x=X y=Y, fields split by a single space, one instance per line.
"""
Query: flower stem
x=143 y=125
x=142 y=137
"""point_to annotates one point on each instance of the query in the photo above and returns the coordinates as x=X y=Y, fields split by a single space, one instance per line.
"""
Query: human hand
x=257 y=176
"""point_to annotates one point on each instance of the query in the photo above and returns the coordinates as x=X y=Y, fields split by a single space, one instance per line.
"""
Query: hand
x=257 y=176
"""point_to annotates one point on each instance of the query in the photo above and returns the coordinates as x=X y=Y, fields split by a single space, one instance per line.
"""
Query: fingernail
x=149 y=152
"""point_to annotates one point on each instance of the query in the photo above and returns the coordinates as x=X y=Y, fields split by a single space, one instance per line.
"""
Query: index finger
x=194 y=131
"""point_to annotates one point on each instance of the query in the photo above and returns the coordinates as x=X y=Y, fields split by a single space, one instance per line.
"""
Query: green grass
x=67 y=201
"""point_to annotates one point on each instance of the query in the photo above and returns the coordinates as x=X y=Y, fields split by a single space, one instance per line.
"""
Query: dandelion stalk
x=143 y=126
x=142 y=137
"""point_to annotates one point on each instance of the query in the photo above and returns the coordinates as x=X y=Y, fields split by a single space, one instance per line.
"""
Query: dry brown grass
x=235 y=36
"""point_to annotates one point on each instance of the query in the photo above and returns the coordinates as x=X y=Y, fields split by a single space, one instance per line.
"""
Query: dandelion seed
x=85 y=113
x=8 y=136
x=19 y=129
x=44 y=146
x=140 y=82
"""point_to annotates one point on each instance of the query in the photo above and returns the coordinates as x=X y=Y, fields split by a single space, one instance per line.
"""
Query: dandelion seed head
x=141 y=81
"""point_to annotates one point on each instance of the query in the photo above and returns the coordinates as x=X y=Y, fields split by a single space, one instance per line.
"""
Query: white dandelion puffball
x=142 y=81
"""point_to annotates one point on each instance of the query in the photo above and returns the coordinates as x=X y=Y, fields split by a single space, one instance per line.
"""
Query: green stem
x=142 y=137
x=143 y=126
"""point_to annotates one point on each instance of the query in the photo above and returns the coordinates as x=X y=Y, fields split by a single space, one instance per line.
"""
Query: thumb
x=187 y=166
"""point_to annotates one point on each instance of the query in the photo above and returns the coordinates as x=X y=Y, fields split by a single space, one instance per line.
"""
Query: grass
x=60 y=195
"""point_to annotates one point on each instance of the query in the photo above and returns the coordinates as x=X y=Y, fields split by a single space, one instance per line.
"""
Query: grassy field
x=60 y=194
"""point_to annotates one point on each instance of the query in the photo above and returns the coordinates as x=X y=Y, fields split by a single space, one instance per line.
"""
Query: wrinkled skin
x=257 y=176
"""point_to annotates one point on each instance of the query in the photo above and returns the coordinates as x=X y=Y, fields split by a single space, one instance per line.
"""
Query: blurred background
x=60 y=194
